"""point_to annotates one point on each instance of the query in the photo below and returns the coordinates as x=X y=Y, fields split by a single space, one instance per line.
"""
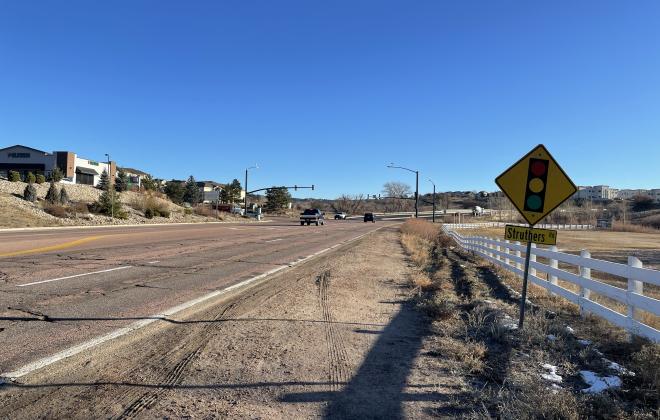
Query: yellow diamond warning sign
x=536 y=184
x=528 y=234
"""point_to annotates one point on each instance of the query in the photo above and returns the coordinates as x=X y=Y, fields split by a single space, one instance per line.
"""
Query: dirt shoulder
x=334 y=338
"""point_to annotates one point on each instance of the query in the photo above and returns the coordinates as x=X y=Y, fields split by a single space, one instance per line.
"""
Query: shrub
x=55 y=210
x=109 y=205
x=80 y=208
x=40 y=179
x=14 y=176
x=30 y=193
x=56 y=175
x=149 y=213
x=64 y=197
x=187 y=211
x=30 y=178
x=53 y=195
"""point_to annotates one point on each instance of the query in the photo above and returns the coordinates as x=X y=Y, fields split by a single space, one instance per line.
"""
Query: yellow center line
x=57 y=247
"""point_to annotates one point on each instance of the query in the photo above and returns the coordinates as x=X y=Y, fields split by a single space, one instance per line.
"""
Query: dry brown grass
x=421 y=228
x=417 y=248
x=628 y=227
x=150 y=203
x=55 y=209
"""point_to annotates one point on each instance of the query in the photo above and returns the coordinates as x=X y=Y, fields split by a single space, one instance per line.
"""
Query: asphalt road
x=60 y=288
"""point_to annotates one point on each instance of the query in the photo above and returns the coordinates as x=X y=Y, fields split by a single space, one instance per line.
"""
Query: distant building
x=628 y=194
x=597 y=192
x=76 y=170
x=135 y=177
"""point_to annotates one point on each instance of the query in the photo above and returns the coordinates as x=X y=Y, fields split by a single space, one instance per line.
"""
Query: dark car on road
x=369 y=217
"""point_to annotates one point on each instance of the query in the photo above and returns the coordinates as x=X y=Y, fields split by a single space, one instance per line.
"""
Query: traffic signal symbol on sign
x=537 y=179
x=536 y=184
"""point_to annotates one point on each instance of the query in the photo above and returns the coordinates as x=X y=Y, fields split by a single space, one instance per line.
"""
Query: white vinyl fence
x=502 y=224
x=511 y=256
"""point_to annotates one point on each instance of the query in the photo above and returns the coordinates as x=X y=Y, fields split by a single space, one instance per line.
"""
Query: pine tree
x=149 y=183
x=121 y=182
x=30 y=178
x=277 y=198
x=104 y=180
x=30 y=193
x=64 y=197
x=53 y=195
x=40 y=179
x=192 y=194
x=108 y=203
x=234 y=191
x=175 y=191
x=56 y=175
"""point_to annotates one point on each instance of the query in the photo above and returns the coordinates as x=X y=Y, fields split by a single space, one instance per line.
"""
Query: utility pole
x=391 y=165
x=111 y=186
x=431 y=181
x=246 y=185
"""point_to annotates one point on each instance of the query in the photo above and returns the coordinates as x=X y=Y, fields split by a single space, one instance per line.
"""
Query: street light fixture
x=256 y=166
x=391 y=165
x=111 y=187
x=431 y=181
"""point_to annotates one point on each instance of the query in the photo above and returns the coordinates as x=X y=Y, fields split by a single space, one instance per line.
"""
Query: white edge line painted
x=275 y=240
x=72 y=351
x=75 y=275
x=153 y=262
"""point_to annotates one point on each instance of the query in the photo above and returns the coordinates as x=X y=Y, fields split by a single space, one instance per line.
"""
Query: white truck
x=477 y=211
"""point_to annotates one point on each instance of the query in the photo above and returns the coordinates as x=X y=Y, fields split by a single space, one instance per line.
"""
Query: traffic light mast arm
x=295 y=187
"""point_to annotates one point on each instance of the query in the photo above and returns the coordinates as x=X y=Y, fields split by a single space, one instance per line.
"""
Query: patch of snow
x=570 y=330
x=584 y=342
x=554 y=388
x=617 y=367
x=490 y=302
x=552 y=373
x=597 y=383
x=551 y=337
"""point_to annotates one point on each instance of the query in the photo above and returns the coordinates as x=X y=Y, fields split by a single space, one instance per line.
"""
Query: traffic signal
x=295 y=187
x=537 y=177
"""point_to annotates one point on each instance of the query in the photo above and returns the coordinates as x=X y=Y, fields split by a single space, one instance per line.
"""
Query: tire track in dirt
x=337 y=356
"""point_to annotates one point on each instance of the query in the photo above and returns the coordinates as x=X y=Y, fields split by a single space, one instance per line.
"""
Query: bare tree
x=396 y=189
x=351 y=204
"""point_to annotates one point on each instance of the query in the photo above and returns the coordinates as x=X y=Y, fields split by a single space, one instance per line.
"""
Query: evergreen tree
x=175 y=191
x=40 y=179
x=234 y=191
x=53 y=195
x=108 y=203
x=121 y=183
x=64 y=197
x=104 y=180
x=30 y=193
x=30 y=178
x=14 y=176
x=149 y=183
x=56 y=175
x=192 y=193
x=277 y=198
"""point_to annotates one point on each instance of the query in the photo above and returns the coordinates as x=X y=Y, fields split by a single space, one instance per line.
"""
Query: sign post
x=535 y=185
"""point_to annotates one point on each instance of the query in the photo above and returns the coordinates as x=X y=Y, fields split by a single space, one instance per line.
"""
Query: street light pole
x=391 y=165
x=431 y=181
x=111 y=187
x=246 y=185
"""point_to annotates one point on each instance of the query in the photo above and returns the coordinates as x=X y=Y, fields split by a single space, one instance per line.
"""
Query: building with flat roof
x=596 y=192
x=76 y=169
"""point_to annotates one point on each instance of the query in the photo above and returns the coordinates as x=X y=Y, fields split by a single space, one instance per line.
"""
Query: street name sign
x=528 y=234
x=536 y=184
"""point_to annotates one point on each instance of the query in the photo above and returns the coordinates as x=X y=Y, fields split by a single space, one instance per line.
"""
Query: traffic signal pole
x=523 y=299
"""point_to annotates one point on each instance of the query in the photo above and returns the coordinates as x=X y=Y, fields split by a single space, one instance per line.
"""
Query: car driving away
x=369 y=217
x=310 y=216
x=340 y=215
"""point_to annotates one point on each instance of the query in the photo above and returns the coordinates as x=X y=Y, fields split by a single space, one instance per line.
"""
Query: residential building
x=76 y=169
x=628 y=193
x=597 y=192
x=135 y=177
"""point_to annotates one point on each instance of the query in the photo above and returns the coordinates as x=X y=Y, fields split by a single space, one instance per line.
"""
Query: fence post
x=532 y=258
x=507 y=251
x=497 y=248
x=554 y=264
x=634 y=286
x=585 y=272
x=518 y=254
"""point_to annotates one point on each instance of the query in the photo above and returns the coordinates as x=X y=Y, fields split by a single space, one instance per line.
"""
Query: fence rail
x=511 y=257
x=502 y=224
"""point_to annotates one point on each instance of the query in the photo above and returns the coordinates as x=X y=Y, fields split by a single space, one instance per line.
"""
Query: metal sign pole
x=523 y=299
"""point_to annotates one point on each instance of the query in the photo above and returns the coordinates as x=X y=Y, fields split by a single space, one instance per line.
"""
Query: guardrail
x=511 y=257
x=502 y=224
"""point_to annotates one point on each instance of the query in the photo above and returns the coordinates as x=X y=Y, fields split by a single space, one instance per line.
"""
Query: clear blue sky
x=330 y=92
